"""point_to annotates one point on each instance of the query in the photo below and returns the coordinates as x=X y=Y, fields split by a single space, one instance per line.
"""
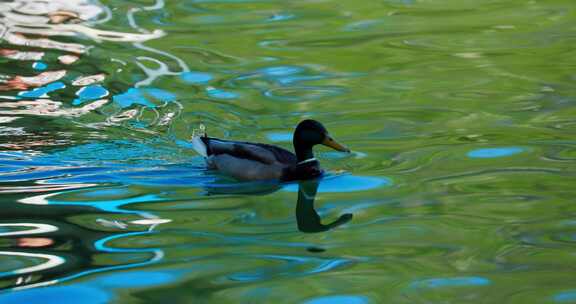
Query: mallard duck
x=257 y=161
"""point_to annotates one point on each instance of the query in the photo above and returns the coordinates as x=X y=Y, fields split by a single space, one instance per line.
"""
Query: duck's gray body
x=247 y=161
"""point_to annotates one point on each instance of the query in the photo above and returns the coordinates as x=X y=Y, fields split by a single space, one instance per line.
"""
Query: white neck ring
x=307 y=161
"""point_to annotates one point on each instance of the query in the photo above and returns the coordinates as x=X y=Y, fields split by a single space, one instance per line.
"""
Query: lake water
x=460 y=187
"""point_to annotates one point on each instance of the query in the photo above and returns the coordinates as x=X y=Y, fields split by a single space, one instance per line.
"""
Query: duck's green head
x=309 y=133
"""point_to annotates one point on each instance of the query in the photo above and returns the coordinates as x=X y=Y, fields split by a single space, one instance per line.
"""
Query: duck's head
x=309 y=133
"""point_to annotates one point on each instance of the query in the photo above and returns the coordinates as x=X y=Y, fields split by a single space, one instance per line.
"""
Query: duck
x=250 y=161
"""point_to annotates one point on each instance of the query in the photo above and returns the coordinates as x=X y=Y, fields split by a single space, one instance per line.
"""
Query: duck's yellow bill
x=330 y=142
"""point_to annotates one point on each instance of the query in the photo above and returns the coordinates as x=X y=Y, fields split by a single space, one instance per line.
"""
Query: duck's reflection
x=306 y=216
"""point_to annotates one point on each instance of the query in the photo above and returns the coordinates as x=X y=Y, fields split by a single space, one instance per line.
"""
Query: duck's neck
x=303 y=152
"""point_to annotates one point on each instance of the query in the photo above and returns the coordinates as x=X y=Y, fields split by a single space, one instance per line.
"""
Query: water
x=460 y=115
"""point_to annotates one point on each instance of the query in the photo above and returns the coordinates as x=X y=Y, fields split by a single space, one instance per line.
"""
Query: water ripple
x=37 y=228
x=51 y=261
x=450 y=282
x=287 y=269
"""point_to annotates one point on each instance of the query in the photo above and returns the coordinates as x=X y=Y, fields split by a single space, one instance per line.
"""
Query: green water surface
x=460 y=187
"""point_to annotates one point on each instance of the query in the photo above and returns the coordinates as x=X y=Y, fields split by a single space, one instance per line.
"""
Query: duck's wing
x=262 y=153
x=245 y=169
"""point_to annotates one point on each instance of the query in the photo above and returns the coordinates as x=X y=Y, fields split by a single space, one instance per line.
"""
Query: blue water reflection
x=277 y=71
x=144 y=96
x=451 y=282
x=88 y=93
x=565 y=296
x=279 y=136
x=347 y=183
x=96 y=291
x=494 y=152
x=39 y=66
x=42 y=92
x=196 y=77
x=59 y=294
x=339 y=299
x=118 y=152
